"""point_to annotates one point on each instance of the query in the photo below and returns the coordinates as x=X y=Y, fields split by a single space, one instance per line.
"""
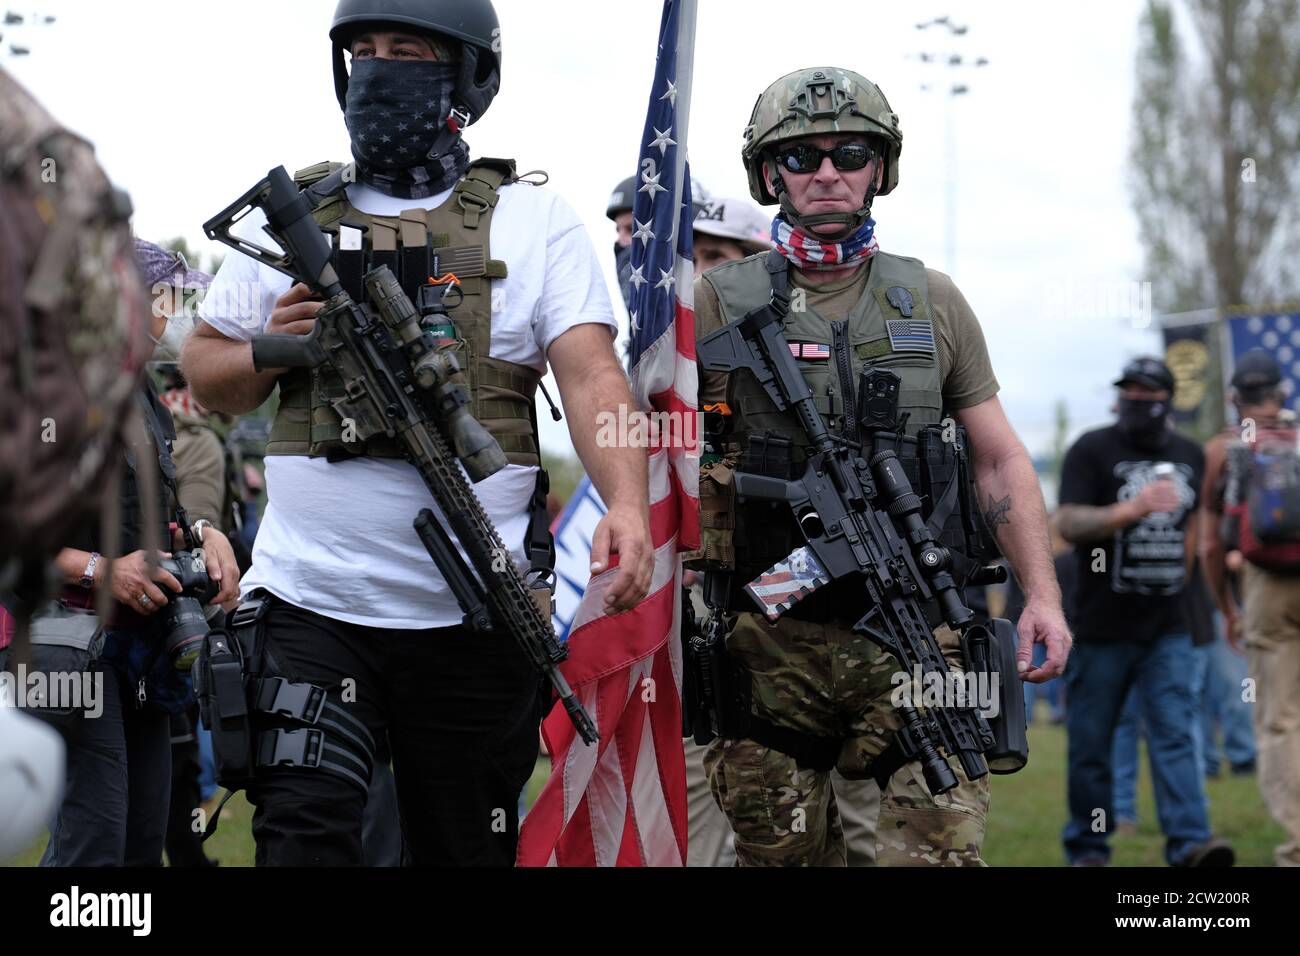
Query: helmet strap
x=340 y=77
x=850 y=222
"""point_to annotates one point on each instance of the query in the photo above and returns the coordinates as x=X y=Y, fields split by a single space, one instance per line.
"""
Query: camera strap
x=166 y=464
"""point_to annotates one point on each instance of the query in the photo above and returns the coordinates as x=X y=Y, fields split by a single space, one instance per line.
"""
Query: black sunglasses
x=807 y=158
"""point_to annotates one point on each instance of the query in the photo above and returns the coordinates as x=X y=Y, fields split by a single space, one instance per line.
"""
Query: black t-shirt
x=1132 y=591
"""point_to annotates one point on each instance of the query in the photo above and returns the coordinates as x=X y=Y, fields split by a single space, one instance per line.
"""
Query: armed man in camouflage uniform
x=823 y=143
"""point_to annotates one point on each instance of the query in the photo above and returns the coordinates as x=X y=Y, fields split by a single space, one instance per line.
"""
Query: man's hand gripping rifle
x=397 y=383
x=861 y=517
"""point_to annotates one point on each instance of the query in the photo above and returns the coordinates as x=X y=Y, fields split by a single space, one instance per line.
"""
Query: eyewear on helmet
x=807 y=158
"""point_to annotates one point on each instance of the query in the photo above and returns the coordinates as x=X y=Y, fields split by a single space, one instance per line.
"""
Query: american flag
x=1277 y=331
x=623 y=802
x=787 y=582
x=810 y=350
x=908 y=335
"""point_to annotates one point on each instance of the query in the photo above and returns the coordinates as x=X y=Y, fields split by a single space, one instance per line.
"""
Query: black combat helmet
x=472 y=22
x=622 y=198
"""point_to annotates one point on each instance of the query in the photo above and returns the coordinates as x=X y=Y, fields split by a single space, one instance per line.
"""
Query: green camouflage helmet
x=814 y=101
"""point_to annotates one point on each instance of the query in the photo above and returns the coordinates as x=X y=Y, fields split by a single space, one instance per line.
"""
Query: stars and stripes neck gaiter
x=398 y=115
x=809 y=252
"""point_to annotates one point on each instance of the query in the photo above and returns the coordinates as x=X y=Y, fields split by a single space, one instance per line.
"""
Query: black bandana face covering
x=396 y=114
x=1143 y=419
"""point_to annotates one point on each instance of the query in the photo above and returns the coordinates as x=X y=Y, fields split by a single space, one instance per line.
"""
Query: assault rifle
x=398 y=384
x=862 y=517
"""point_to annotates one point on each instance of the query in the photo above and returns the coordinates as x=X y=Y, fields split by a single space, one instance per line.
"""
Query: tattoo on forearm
x=997 y=513
x=1084 y=523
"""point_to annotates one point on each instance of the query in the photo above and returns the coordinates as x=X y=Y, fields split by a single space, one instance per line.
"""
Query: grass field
x=1025 y=820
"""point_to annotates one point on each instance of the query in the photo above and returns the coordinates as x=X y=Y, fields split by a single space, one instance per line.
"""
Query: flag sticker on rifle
x=810 y=350
x=910 y=335
x=787 y=582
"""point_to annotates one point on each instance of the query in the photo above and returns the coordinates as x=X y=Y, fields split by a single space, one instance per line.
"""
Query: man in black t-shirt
x=1128 y=505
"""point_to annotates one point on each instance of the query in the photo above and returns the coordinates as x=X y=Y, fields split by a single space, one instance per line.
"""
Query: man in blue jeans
x=1128 y=505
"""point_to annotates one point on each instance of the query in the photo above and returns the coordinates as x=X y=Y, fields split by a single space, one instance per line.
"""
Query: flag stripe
x=623 y=801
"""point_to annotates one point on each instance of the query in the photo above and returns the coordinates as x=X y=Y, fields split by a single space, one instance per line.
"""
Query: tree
x=566 y=472
x=1216 y=132
x=1060 y=435
x=192 y=256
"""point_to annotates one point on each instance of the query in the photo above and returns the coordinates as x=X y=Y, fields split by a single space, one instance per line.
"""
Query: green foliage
x=1215 y=132
x=1060 y=435
x=193 y=256
x=565 y=471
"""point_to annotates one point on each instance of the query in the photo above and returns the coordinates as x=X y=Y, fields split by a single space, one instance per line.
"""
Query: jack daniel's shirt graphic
x=1130 y=587
x=1151 y=556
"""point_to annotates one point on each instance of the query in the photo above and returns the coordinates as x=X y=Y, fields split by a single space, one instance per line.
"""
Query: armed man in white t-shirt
x=347 y=599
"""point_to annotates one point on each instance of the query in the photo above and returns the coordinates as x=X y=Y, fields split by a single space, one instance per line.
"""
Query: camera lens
x=185 y=624
x=186 y=628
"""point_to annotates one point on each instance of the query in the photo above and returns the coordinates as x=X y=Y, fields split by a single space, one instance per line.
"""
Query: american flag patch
x=787 y=582
x=810 y=350
x=909 y=335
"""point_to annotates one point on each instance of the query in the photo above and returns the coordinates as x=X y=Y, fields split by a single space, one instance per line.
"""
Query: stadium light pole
x=952 y=60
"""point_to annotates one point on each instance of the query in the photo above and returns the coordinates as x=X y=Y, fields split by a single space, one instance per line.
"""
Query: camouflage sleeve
x=968 y=377
x=708 y=318
x=201 y=475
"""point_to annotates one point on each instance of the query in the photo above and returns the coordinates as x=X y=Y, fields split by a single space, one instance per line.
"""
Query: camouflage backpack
x=73 y=328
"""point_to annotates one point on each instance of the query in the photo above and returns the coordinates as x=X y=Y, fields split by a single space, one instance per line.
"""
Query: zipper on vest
x=844 y=367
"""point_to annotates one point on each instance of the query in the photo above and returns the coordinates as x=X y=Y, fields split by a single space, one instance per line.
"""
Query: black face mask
x=1143 y=419
x=623 y=266
x=396 y=115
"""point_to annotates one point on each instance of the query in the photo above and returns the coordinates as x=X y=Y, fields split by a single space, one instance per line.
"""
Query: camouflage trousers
x=824 y=680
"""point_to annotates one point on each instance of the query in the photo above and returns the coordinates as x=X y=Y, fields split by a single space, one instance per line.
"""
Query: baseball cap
x=1256 y=369
x=1147 y=371
x=736 y=219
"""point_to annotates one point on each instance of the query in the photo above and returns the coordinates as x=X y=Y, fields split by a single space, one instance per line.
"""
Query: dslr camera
x=184 y=623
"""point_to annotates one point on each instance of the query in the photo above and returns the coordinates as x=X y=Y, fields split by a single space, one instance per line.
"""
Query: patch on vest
x=813 y=351
x=463 y=261
x=787 y=582
x=910 y=335
x=900 y=299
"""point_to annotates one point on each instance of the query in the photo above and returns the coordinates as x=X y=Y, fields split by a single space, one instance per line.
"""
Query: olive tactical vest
x=419 y=245
x=890 y=327
x=878 y=334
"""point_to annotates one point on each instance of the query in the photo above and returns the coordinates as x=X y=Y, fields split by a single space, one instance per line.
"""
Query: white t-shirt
x=337 y=538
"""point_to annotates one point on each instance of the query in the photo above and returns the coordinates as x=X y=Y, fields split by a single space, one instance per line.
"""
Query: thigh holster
x=259 y=719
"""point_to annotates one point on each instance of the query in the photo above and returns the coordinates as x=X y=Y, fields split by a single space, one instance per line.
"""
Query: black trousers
x=185 y=844
x=115 y=798
x=461 y=713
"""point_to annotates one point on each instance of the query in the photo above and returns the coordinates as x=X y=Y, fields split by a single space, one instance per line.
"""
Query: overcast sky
x=189 y=103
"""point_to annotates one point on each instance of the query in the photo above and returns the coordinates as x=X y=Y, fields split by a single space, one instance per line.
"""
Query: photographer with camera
x=114 y=808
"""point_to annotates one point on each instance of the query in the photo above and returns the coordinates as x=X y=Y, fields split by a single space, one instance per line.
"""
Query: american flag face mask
x=806 y=251
x=405 y=133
